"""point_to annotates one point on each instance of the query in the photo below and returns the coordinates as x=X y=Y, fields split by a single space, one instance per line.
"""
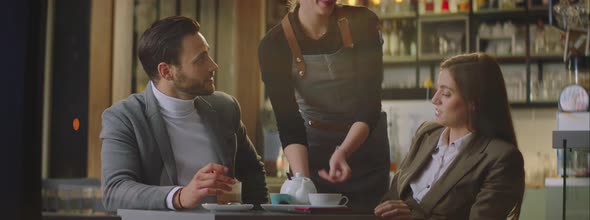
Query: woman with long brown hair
x=465 y=164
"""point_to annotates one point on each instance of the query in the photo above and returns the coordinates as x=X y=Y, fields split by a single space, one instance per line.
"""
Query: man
x=179 y=143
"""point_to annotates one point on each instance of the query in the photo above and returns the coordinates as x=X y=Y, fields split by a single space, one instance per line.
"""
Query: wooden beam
x=248 y=32
x=122 y=49
x=226 y=44
x=99 y=94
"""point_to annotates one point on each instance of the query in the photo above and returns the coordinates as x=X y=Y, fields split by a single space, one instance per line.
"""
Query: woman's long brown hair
x=481 y=84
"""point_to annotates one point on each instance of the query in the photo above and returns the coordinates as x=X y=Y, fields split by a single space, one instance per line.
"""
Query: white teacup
x=323 y=199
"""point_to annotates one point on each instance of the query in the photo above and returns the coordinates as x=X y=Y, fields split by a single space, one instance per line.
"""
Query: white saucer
x=290 y=208
x=227 y=208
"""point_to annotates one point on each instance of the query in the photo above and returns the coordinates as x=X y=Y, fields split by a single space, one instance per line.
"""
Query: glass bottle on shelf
x=411 y=36
x=396 y=6
x=429 y=6
x=384 y=6
x=493 y=4
x=504 y=4
x=453 y=5
x=480 y=4
x=464 y=5
x=375 y=6
x=438 y=6
x=579 y=70
x=405 y=5
x=385 y=32
x=402 y=35
x=394 y=40
x=444 y=6
x=540 y=37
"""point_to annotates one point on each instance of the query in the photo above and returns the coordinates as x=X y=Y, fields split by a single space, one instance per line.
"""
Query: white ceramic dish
x=227 y=208
x=291 y=208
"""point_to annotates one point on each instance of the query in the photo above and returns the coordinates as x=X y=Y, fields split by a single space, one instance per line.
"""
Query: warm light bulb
x=76 y=124
x=399 y=1
x=351 y=2
x=375 y=2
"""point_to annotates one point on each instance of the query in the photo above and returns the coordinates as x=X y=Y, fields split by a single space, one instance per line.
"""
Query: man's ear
x=165 y=71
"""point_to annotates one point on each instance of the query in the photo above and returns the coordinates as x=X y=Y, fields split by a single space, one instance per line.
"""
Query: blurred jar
x=375 y=6
x=385 y=31
x=577 y=163
x=579 y=70
x=537 y=174
x=464 y=5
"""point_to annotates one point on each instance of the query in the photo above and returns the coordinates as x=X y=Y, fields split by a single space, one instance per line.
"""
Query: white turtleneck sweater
x=193 y=146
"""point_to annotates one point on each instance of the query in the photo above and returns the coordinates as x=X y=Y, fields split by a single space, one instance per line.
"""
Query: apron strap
x=295 y=49
x=343 y=26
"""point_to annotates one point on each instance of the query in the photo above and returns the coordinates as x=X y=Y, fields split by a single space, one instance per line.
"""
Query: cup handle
x=345 y=200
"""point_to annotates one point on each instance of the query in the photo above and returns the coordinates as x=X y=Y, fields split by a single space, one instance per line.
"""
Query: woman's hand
x=339 y=169
x=393 y=210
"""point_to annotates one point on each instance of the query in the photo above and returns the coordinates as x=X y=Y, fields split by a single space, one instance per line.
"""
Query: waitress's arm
x=297 y=157
x=370 y=75
x=339 y=169
x=275 y=64
x=358 y=133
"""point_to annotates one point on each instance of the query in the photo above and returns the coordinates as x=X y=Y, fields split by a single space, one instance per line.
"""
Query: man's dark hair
x=162 y=42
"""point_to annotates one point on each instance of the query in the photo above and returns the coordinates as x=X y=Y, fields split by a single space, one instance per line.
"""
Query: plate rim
x=301 y=205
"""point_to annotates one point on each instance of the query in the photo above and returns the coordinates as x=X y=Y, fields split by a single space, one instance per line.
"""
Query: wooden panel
x=167 y=8
x=208 y=22
x=188 y=8
x=146 y=14
x=226 y=46
x=122 y=49
x=248 y=25
x=46 y=133
x=99 y=94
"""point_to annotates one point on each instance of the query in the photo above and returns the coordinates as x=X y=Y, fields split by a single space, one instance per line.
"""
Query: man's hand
x=393 y=210
x=209 y=180
x=339 y=169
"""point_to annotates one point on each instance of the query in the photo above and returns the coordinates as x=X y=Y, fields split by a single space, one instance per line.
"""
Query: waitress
x=322 y=69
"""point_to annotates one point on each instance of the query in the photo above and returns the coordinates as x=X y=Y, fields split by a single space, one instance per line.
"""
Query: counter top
x=130 y=214
x=574 y=181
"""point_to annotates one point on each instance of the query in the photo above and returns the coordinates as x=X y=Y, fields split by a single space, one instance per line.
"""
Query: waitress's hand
x=339 y=169
x=393 y=209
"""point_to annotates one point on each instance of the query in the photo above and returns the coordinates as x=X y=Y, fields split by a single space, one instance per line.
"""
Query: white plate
x=291 y=208
x=227 y=208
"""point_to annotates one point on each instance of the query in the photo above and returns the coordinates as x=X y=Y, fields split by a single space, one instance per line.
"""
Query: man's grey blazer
x=138 y=166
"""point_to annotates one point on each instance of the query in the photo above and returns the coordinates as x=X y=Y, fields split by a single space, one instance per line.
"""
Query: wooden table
x=129 y=214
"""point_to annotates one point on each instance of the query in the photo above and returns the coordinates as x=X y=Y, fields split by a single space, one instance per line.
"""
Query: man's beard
x=198 y=88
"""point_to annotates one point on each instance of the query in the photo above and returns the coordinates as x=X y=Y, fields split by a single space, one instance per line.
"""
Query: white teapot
x=298 y=187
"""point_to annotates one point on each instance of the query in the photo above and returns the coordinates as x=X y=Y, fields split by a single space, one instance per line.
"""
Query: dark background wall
x=71 y=45
x=21 y=63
